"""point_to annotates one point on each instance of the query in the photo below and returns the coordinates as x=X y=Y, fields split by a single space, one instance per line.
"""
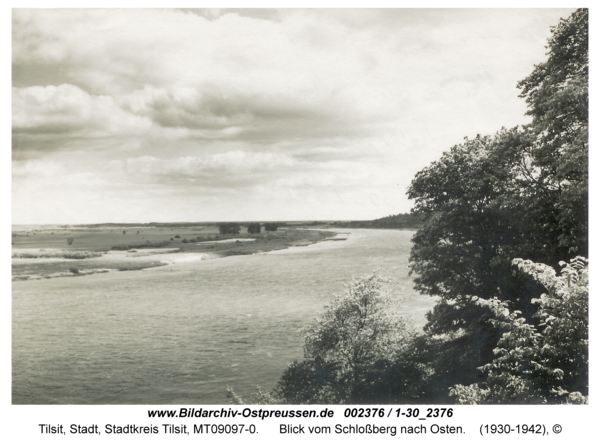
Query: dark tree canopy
x=477 y=221
x=229 y=228
x=520 y=194
x=271 y=227
x=557 y=95
x=254 y=228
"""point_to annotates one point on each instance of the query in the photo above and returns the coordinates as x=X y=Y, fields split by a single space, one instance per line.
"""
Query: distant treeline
x=150 y=224
x=174 y=224
x=399 y=221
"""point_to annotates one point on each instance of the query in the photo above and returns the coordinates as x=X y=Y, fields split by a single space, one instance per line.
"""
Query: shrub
x=254 y=228
x=547 y=363
x=271 y=227
x=74 y=270
x=349 y=348
x=70 y=240
x=229 y=228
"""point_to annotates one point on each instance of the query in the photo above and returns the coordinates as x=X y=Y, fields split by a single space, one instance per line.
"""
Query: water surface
x=179 y=334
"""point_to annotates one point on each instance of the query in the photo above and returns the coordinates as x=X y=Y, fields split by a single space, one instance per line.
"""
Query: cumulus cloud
x=68 y=109
x=293 y=104
x=225 y=170
x=297 y=67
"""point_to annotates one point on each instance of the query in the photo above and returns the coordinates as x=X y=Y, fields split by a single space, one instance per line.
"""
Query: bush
x=229 y=228
x=271 y=227
x=547 y=363
x=74 y=270
x=349 y=349
x=70 y=240
x=254 y=228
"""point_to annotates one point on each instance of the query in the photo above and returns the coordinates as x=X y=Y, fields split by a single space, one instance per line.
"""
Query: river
x=180 y=334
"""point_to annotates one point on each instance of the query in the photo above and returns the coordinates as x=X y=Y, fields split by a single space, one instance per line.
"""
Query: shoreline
x=33 y=268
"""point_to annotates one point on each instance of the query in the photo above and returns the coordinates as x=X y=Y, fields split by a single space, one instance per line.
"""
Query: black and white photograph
x=368 y=207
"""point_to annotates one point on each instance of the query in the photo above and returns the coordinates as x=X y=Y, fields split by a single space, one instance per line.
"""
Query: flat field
x=45 y=252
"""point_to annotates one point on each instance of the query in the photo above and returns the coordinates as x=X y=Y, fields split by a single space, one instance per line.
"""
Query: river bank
x=37 y=257
x=181 y=333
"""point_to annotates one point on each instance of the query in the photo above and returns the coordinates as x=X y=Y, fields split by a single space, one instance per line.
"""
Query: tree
x=349 y=348
x=229 y=228
x=254 y=228
x=476 y=221
x=459 y=196
x=271 y=227
x=543 y=363
x=557 y=95
x=70 y=240
x=520 y=194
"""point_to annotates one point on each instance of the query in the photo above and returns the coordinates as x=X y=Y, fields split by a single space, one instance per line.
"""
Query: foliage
x=520 y=194
x=469 y=395
x=349 y=347
x=547 y=363
x=254 y=228
x=399 y=221
x=70 y=240
x=557 y=95
x=357 y=328
x=270 y=227
x=455 y=248
x=229 y=228
x=74 y=270
x=411 y=376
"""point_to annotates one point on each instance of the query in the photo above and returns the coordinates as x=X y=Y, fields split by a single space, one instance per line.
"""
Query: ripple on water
x=182 y=335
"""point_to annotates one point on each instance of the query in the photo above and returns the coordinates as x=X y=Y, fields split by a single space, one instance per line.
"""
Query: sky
x=170 y=115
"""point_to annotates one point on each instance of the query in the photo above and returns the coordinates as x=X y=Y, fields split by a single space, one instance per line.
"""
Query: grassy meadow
x=53 y=251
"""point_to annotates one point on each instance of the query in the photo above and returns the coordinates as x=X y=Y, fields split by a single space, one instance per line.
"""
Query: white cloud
x=67 y=108
x=223 y=170
x=300 y=105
